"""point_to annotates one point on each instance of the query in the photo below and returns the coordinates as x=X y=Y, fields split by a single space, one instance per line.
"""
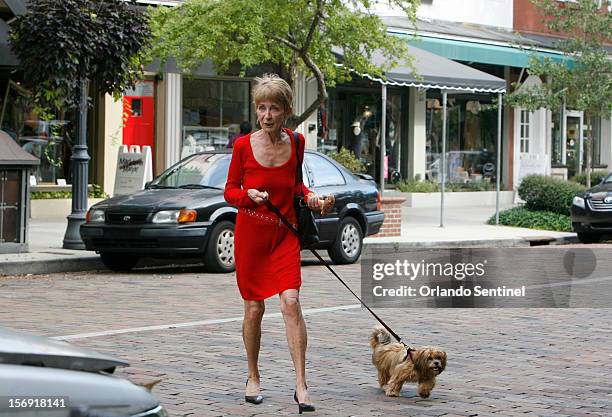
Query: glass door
x=573 y=143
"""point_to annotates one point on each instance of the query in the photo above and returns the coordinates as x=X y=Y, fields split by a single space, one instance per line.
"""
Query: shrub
x=596 y=177
x=416 y=186
x=542 y=193
x=347 y=159
x=543 y=220
x=95 y=192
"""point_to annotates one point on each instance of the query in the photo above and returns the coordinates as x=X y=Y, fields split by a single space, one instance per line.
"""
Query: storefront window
x=354 y=119
x=596 y=136
x=557 y=137
x=471 y=138
x=212 y=113
x=48 y=138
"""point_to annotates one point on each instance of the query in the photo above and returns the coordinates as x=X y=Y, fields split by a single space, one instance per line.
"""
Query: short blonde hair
x=274 y=88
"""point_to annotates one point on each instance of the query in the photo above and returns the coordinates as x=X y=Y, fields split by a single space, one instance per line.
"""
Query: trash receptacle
x=15 y=167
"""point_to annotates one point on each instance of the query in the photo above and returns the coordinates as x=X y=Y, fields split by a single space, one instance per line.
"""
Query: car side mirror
x=147 y=184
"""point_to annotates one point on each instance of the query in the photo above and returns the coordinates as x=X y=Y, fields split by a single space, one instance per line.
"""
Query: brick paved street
x=501 y=362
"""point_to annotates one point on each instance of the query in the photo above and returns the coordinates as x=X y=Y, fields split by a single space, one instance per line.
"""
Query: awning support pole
x=498 y=168
x=443 y=161
x=383 y=137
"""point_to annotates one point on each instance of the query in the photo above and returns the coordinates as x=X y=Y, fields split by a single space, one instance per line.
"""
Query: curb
x=51 y=266
x=494 y=243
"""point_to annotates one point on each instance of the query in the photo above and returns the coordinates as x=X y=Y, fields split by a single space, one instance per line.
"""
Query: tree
x=583 y=79
x=62 y=45
x=298 y=35
x=61 y=42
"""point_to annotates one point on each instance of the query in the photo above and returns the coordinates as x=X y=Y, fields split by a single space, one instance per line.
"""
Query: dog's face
x=429 y=360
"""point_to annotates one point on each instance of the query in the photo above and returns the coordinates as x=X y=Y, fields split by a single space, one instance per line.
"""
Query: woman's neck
x=276 y=137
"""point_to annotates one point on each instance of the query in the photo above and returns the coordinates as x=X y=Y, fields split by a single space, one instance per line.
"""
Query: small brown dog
x=396 y=365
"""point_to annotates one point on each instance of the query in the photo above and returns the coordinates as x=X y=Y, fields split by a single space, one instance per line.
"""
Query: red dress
x=266 y=253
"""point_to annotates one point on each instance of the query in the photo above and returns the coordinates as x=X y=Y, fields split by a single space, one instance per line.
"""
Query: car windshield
x=608 y=179
x=199 y=171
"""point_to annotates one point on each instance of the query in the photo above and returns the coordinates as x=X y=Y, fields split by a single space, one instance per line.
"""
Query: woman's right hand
x=257 y=196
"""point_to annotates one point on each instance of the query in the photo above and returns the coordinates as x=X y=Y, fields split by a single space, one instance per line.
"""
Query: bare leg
x=424 y=388
x=394 y=386
x=251 y=335
x=295 y=329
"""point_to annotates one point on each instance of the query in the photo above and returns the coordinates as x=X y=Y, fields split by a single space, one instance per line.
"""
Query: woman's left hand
x=314 y=201
x=320 y=203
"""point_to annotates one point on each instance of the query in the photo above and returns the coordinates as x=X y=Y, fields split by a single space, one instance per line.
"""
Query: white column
x=417 y=152
x=113 y=139
x=548 y=140
x=443 y=160
x=173 y=117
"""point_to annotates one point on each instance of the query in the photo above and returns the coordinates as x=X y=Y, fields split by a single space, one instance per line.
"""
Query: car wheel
x=219 y=255
x=346 y=249
x=118 y=262
x=589 y=237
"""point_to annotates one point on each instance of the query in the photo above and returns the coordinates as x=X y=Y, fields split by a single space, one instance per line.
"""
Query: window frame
x=313 y=178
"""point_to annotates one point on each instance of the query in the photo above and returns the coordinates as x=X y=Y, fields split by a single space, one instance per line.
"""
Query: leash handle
x=276 y=211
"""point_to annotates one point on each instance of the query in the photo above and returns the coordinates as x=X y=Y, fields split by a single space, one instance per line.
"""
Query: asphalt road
x=183 y=326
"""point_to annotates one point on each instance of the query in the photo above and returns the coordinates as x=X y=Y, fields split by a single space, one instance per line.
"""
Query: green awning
x=480 y=52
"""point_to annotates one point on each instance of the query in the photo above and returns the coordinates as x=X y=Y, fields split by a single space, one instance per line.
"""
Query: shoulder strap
x=298 y=174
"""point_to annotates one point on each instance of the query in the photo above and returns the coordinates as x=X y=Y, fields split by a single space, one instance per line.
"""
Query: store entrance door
x=574 y=142
x=363 y=135
x=139 y=116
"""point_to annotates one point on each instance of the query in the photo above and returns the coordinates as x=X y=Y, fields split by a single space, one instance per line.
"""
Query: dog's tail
x=379 y=336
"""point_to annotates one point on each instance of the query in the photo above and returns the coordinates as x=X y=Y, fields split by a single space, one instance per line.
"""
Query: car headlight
x=95 y=216
x=175 y=216
x=578 y=202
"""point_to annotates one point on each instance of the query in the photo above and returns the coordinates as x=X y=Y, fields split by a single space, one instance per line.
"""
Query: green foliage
x=61 y=42
x=95 y=192
x=596 y=177
x=543 y=220
x=416 y=186
x=347 y=159
x=542 y=193
x=297 y=35
x=585 y=84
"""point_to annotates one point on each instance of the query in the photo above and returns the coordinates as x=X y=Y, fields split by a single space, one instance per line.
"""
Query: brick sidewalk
x=501 y=362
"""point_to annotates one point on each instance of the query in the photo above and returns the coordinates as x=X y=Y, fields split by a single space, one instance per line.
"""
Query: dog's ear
x=420 y=358
x=149 y=385
x=443 y=358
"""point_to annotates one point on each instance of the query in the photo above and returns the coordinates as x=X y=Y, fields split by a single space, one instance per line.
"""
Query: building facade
x=177 y=114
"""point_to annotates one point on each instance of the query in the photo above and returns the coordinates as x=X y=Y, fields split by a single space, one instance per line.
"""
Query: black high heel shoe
x=253 y=399
x=303 y=407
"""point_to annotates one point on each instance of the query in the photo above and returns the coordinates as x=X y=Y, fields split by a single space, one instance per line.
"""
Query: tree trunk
x=321 y=93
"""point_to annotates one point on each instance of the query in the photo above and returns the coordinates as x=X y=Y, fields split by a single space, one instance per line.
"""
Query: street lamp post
x=80 y=165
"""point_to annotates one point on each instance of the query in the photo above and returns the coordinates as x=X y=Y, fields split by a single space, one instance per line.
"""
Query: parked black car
x=182 y=213
x=41 y=377
x=592 y=212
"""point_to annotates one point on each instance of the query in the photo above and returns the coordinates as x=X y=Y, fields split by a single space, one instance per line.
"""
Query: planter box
x=457 y=199
x=54 y=208
x=392 y=226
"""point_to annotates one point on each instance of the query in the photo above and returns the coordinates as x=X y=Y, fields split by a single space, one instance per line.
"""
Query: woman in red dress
x=267 y=254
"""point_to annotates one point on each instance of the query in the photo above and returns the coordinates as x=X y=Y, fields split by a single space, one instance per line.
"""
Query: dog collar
x=409 y=351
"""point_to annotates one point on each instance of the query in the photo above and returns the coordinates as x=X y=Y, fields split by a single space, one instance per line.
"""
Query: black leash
x=295 y=232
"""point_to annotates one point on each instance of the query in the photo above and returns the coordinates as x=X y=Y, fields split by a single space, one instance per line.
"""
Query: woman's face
x=271 y=116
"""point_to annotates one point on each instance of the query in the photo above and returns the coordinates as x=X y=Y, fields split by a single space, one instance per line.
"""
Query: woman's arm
x=311 y=198
x=234 y=193
x=305 y=190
